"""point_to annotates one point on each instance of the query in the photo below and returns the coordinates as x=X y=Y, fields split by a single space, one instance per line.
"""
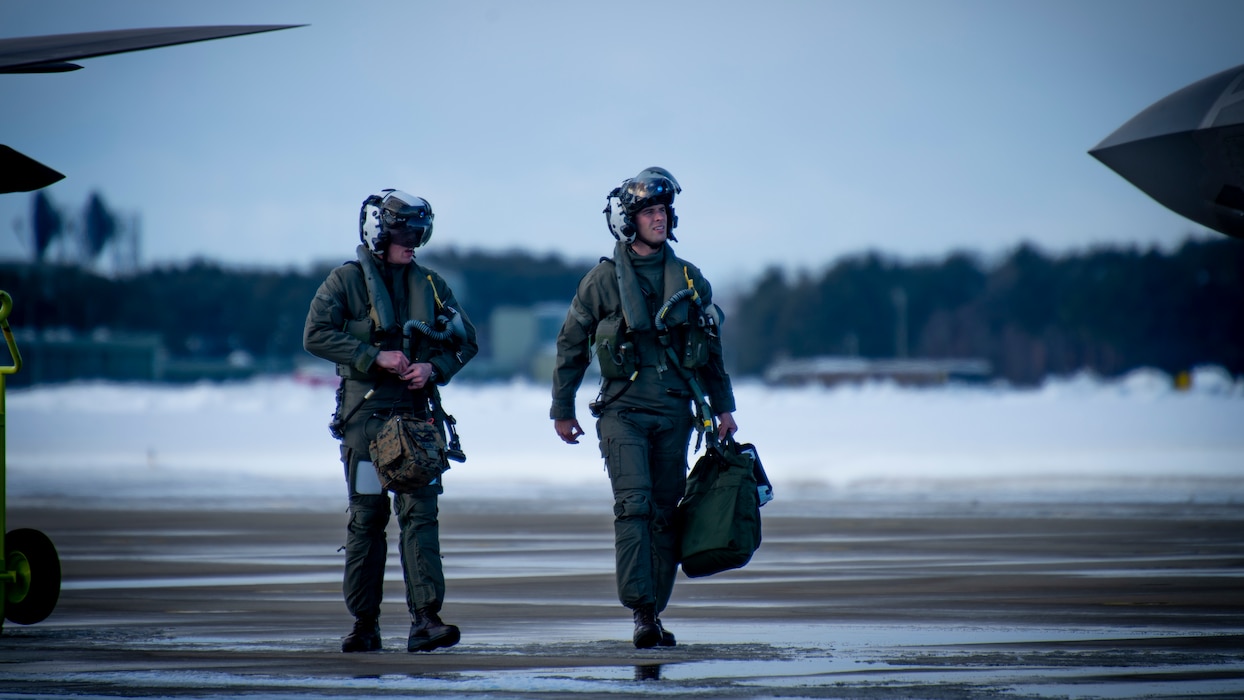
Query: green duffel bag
x=720 y=512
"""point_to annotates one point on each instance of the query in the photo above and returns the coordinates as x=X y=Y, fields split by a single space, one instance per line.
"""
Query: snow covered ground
x=1080 y=438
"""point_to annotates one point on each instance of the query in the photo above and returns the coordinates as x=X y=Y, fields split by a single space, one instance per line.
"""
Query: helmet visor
x=406 y=218
x=407 y=237
x=652 y=186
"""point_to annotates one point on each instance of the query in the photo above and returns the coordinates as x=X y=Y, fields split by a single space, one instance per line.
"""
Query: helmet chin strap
x=637 y=239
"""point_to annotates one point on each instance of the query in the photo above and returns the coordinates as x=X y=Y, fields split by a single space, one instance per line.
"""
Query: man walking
x=396 y=332
x=650 y=317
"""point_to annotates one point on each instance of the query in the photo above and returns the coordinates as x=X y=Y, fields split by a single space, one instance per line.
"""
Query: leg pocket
x=627 y=463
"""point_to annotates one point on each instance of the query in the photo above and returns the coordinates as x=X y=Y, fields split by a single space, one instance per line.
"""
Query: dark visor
x=650 y=187
x=407 y=217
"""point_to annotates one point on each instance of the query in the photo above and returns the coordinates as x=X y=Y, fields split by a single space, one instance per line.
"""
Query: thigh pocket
x=627 y=462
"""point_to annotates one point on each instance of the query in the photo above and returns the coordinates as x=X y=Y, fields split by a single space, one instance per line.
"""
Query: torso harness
x=701 y=325
x=447 y=328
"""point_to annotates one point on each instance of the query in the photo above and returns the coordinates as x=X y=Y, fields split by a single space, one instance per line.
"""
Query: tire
x=33 y=556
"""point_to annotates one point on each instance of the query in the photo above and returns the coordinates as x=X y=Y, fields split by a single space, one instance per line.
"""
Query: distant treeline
x=204 y=309
x=1108 y=310
x=1032 y=314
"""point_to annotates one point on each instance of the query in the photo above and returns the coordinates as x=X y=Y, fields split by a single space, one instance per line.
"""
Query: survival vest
x=378 y=324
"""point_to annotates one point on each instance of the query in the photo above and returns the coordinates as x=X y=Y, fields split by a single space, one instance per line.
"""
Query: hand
x=393 y=360
x=417 y=374
x=568 y=430
x=726 y=426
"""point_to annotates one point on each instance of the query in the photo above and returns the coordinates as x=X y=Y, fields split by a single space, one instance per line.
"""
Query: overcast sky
x=800 y=131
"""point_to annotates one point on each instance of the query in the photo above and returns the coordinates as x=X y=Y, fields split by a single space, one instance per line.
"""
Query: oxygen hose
x=426 y=330
x=705 y=421
x=678 y=296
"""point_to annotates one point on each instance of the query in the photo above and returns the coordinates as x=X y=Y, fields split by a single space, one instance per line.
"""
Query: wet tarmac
x=883 y=600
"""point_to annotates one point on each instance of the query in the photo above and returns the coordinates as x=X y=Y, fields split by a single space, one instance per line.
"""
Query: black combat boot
x=647 y=629
x=667 y=637
x=427 y=632
x=364 y=637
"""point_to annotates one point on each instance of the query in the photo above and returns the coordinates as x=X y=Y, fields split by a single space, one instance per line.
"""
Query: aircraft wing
x=52 y=53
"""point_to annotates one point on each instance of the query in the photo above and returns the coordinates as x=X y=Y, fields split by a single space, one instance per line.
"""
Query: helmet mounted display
x=393 y=216
x=651 y=186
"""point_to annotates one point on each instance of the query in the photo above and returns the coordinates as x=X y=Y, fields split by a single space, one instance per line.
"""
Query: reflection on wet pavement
x=987 y=605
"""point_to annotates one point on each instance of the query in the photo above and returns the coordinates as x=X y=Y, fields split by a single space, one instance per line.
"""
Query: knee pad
x=632 y=505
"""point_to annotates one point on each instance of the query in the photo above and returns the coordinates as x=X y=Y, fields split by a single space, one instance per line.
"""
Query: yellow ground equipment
x=30 y=577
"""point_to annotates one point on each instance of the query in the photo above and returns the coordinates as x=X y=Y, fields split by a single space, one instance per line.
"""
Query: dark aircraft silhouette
x=33 y=582
x=51 y=54
x=1187 y=151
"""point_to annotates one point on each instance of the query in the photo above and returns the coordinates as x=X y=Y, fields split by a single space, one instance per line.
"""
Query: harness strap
x=381 y=308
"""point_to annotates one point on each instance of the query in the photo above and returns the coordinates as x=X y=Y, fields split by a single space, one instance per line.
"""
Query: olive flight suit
x=357 y=312
x=646 y=426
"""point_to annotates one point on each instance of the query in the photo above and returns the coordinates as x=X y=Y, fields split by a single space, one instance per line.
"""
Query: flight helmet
x=651 y=186
x=392 y=216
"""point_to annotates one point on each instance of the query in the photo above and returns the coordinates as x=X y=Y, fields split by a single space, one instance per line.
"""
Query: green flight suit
x=645 y=430
x=350 y=325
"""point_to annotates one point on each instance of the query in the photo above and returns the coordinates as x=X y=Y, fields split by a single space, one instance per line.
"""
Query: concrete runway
x=843 y=600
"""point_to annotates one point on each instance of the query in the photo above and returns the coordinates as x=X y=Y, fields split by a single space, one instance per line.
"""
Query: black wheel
x=32 y=556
